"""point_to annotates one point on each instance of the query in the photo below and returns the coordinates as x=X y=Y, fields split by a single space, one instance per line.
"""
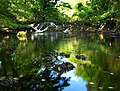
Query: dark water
x=22 y=64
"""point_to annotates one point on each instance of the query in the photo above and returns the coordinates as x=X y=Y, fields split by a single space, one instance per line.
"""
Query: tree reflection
x=46 y=80
x=100 y=69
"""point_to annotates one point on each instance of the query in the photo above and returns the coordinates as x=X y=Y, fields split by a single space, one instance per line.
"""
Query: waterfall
x=42 y=27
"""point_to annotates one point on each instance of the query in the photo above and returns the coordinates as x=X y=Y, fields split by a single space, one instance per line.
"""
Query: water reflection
x=76 y=83
x=22 y=60
x=0 y=64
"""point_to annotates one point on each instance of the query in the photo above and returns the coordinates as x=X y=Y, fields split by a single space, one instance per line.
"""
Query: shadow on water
x=59 y=62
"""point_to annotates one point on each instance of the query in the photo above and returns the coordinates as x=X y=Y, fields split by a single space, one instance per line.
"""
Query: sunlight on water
x=95 y=62
x=76 y=83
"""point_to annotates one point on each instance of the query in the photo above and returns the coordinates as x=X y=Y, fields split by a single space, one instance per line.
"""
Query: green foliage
x=8 y=22
x=14 y=13
x=98 y=12
x=78 y=6
x=64 y=5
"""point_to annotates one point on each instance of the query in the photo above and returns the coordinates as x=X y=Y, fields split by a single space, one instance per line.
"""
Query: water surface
x=22 y=60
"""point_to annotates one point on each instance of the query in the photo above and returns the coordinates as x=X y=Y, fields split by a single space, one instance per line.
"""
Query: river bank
x=72 y=26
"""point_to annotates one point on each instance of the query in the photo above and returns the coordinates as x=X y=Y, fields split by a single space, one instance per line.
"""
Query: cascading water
x=42 y=27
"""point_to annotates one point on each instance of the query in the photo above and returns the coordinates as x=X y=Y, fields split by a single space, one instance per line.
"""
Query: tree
x=16 y=13
x=98 y=12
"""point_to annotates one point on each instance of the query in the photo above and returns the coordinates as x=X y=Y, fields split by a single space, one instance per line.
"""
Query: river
x=96 y=62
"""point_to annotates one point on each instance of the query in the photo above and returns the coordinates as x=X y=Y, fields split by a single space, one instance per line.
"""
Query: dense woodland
x=17 y=14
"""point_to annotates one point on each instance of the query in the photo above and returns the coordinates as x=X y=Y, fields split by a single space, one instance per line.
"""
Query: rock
x=9 y=82
x=81 y=56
